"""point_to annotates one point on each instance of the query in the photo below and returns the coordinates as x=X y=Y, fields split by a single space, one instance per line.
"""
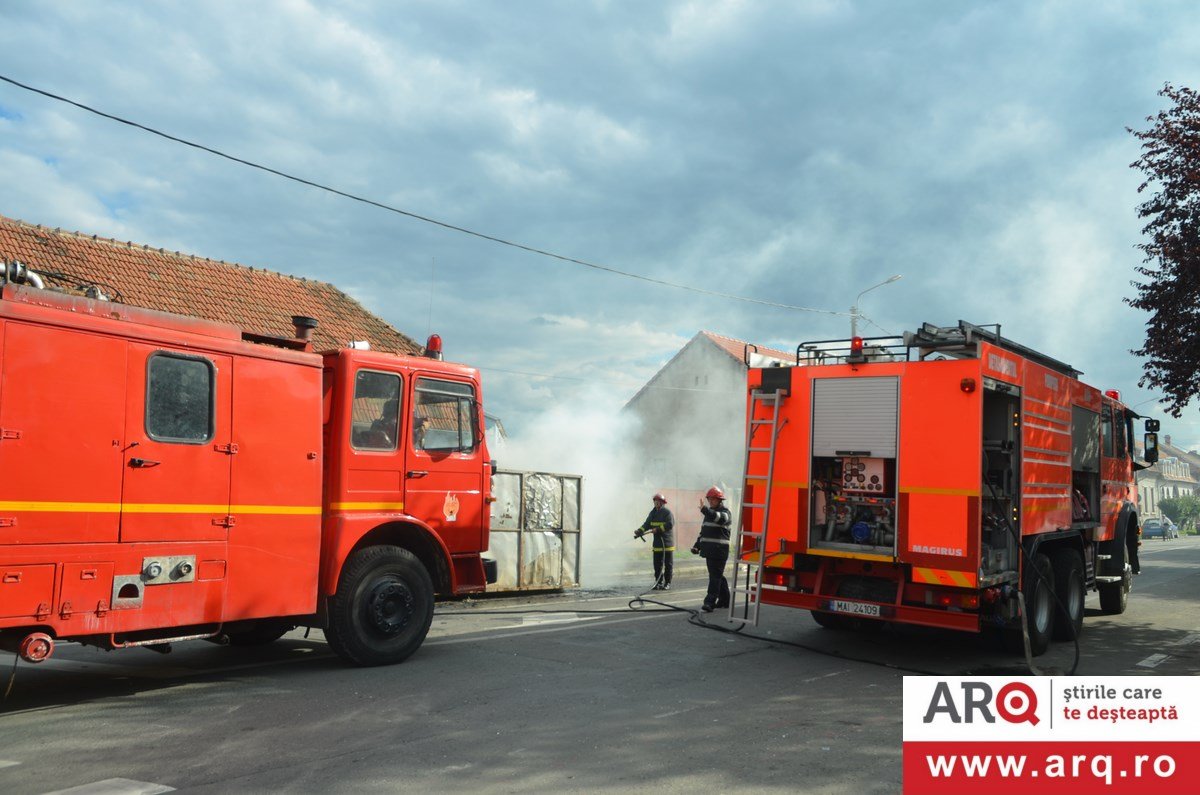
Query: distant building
x=1175 y=475
x=692 y=417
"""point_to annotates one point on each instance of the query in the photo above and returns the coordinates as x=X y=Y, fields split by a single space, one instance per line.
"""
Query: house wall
x=692 y=418
x=1168 y=478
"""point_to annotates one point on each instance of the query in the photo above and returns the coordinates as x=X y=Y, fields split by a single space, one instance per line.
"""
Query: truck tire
x=262 y=633
x=1114 y=597
x=383 y=607
x=1039 y=603
x=1069 y=590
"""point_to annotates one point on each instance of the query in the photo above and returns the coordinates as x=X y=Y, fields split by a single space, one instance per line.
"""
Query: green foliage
x=1183 y=511
x=1170 y=161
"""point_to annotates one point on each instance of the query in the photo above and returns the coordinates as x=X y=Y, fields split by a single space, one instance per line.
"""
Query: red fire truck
x=168 y=478
x=936 y=479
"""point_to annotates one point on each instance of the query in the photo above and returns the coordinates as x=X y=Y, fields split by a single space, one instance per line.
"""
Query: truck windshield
x=444 y=416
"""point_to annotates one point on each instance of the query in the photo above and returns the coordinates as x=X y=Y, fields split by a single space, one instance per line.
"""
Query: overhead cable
x=415 y=216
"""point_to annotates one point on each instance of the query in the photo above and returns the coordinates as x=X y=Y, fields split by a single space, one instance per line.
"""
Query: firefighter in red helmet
x=661 y=524
x=713 y=545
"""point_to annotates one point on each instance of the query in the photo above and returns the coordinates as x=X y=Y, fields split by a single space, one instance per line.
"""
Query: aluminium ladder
x=748 y=564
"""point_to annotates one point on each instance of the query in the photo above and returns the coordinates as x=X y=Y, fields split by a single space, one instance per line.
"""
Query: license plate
x=854 y=608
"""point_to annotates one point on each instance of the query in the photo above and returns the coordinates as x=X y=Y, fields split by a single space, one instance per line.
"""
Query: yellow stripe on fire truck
x=779 y=560
x=44 y=506
x=367 y=506
x=778 y=484
x=958 y=579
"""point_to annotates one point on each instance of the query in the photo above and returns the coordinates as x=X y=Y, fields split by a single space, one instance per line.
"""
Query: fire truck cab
x=930 y=479
x=170 y=478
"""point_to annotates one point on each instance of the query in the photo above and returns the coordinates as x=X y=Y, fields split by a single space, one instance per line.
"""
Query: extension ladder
x=748 y=563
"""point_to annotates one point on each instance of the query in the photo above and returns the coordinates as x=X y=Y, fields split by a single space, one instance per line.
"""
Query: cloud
x=790 y=152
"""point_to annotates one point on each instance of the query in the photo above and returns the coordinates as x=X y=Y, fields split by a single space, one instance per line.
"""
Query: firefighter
x=661 y=524
x=713 y=545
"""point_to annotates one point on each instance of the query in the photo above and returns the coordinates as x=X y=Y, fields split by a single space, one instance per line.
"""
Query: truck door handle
x=142 y=463
x=416 y=473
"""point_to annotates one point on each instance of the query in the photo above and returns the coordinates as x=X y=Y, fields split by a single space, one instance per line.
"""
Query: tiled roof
x=737 y=348
x=255 y=300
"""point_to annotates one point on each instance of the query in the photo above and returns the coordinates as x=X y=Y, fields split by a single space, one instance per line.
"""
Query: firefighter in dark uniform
x=661 y=524
x=713 y=545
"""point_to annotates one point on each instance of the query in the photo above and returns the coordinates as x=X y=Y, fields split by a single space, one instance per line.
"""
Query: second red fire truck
x=937 y=479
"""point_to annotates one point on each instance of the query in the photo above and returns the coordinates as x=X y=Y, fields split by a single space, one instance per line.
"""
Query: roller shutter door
x=855 y=414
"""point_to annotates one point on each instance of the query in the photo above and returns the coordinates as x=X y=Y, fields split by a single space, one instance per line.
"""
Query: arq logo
x=1016 y=702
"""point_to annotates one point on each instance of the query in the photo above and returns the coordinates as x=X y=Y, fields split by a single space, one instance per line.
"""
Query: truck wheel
x=1068 y=587
x=829 y=620
x=383 y=607
x=1114 y=597
x=1039 y=604
x=260 y=634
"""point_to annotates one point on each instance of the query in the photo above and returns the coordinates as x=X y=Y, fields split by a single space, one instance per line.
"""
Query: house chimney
x=304 y=327
x=1167 y=440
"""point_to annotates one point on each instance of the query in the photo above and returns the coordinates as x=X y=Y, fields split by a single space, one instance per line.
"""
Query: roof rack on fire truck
x=961 y=341
x=876 y=349
x=957 y=342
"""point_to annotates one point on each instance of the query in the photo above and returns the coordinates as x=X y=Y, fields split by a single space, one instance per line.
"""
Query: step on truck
x=936 y=479
x=168 y=478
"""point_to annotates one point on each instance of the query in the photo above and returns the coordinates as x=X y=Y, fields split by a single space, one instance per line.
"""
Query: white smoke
x=591 y=438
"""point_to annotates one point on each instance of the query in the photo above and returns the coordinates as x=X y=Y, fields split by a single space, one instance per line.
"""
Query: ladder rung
x=751 y=534
x=753 y=505
x=763 y=422
x=758 y=449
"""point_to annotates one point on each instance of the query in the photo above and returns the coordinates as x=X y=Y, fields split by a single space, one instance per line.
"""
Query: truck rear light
x=970 y=600
x=967 y=385
x=774 y=578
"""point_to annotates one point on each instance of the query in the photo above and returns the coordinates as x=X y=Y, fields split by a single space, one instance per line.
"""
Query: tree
x=1183 y=510
x=1170 y=161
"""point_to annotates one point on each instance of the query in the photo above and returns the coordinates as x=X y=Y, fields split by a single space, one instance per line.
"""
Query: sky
x=787 y=152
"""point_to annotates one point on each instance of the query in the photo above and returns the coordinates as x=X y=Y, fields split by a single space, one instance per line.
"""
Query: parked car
x=1160 y=528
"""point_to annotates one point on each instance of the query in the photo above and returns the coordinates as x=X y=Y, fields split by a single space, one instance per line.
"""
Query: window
x=179 y=398
x=375 y=411
x=1106 y=430
x=1120 y=432
x=444 y=416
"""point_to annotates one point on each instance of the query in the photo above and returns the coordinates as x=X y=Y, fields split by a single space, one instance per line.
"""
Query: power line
x=408 y=214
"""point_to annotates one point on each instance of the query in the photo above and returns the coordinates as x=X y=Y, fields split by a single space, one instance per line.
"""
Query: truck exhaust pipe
x=304 y=326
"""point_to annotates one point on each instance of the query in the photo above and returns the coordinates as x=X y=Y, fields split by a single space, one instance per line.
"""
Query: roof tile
x=254 y=299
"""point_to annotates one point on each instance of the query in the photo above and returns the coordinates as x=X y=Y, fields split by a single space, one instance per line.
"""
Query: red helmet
x=658 y=497
x=716 y=493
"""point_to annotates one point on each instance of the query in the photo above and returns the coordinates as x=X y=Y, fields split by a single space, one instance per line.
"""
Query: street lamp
x=854 y=309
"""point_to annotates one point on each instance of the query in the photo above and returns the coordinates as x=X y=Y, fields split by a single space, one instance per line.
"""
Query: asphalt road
x=540 y=701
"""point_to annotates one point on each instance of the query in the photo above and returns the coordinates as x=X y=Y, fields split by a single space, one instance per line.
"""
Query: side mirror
x=1152 y=426
x=1151 y=443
